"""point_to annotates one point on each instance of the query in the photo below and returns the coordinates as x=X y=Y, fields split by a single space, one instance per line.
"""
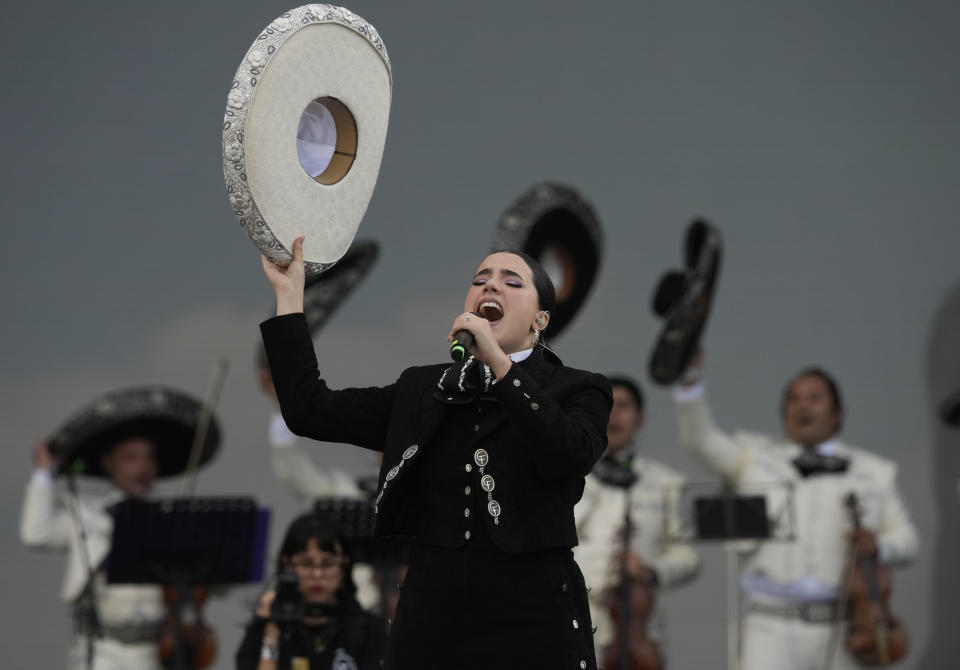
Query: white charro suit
x=822 y=523
x=654 y=513
x=46 y=524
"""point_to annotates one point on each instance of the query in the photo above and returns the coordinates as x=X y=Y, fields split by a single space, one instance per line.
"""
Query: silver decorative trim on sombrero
x=245 y=80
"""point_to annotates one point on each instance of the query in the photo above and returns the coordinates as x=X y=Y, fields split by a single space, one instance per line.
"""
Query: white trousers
x=113 y=655
x=780 y=643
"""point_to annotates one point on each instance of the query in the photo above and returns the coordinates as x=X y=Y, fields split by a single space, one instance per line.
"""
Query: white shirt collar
x=520 y=356
x=830 y=447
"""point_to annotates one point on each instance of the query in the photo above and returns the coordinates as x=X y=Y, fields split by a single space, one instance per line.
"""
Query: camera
x=288 y=605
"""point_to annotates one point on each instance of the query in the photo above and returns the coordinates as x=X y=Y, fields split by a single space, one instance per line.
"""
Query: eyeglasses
x=324 y=566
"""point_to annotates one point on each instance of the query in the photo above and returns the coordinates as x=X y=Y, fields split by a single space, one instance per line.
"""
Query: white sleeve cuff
x=41 y=477
x=685 y=394
x=883 y=551
x=278 y=433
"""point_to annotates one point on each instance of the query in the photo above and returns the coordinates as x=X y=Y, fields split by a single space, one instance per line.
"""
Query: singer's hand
x=485 y=347
x=287 y=282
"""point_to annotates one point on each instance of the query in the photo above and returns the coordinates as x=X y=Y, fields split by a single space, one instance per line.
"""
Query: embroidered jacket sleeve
x=566 y=439
x=43 y=524
x=310 y=408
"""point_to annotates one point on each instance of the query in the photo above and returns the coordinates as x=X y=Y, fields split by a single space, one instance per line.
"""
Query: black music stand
x=728 y=517
x=355 y=519
x=731 y=517
x=186 y=542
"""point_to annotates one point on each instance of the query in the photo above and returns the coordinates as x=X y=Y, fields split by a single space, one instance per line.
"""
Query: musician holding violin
x=124 y=439
x=819 y=601
x=629 y=488
x=130 y=616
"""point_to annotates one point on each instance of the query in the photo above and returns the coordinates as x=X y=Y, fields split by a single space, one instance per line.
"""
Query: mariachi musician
x=650 y=491
x=127 y=438
x=792 y=590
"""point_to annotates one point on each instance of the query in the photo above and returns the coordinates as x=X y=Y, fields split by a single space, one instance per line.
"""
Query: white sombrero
x=304 y=130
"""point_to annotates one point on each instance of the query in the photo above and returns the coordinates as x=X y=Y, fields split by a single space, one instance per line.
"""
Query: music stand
x=185 y=542
x=755 y=512
x=355 y=520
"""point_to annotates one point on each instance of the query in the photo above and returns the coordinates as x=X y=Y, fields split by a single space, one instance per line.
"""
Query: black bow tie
x=810 y=463
x=615 y=472
x=464 y=381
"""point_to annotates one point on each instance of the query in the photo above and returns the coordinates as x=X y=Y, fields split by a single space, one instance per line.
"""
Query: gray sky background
x=821 y=137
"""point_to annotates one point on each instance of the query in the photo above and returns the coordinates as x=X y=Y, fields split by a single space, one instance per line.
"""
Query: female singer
x=334 y=631
x=483 y=461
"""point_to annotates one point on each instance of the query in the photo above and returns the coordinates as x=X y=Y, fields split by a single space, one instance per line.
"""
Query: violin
x=874 y=636
x=192 y=644
x=630 y=604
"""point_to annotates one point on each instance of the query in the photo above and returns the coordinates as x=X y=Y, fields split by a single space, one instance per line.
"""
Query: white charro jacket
x=654 y=512
x=45 y=523
x=752 y=462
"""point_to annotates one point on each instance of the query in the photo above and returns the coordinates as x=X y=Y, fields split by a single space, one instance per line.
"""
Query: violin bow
x=203 y=426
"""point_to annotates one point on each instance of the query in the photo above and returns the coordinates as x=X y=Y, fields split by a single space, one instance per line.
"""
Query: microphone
x=462 y=341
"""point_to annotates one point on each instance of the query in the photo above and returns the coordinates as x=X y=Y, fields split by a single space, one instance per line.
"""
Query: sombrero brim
x=684 y=300
x=313 y=53
x=165 y=416
x=557 y=226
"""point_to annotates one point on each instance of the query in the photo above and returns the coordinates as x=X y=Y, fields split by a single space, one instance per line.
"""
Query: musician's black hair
x=320 y=529
x=630 y=385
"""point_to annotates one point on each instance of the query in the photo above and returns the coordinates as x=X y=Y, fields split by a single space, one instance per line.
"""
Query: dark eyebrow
x=508 y=273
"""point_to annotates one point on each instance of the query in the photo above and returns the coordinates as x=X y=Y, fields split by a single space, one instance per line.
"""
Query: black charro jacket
x=543 y=435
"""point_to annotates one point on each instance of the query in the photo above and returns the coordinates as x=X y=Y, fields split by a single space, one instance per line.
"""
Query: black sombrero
x=167 y=417
x=323 y=293
x=557 y=226
x=682 y=300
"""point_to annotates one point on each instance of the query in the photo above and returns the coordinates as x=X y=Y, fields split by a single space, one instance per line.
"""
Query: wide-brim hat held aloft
x=556 y=225
x=304 y=132
x=683 y=299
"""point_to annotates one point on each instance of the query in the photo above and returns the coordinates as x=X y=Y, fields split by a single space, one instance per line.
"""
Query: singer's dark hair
x=832 y=388
x=546 y=293
x=630 y=386
x=328 y=537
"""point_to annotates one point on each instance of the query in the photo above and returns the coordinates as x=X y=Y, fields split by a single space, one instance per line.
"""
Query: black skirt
x=479 y=608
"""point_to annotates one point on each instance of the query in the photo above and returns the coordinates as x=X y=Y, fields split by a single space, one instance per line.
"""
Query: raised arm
x=43 y=524
x=698 y=433
x=309 y=407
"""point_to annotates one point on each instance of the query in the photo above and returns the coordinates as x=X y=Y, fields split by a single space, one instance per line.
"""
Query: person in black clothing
x=334 y=632
x=483 y=461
